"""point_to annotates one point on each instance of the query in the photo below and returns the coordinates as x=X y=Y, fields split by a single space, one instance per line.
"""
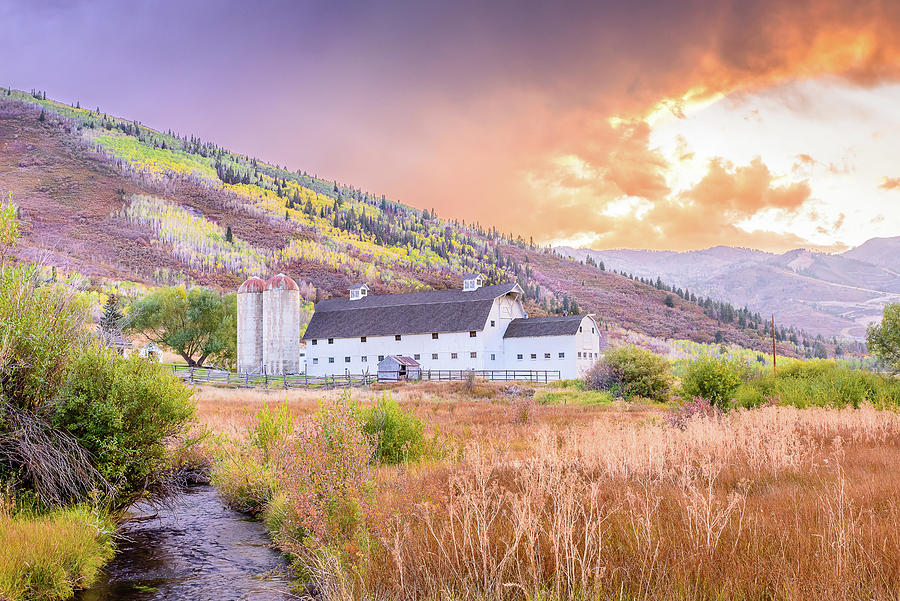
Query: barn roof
x=544 y=326
x=409 y=313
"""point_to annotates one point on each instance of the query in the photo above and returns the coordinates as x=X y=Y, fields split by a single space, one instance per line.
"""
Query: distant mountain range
x=833 y=295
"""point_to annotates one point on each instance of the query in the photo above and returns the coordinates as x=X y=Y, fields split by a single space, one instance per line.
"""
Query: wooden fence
x=204 y=375
x=497 y=375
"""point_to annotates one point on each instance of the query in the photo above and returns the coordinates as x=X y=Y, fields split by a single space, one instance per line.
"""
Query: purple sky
x=534 y=117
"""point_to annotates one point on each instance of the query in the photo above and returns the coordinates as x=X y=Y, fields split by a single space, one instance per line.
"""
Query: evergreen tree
x=112 y=320
x=229 y=237
x=42 y=116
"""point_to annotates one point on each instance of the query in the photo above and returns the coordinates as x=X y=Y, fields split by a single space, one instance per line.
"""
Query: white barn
x=478 y=328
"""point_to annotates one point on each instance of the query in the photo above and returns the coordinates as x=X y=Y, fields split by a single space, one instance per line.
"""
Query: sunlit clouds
x=665 y=125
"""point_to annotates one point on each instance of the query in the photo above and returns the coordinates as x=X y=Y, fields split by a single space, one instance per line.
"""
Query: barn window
x=380 y=358
x=562 y=355
x=534 y=355
x=472 y=333
x=346 y=359
x=416 y=356
x=315 y=342
x=331 y=359
x=473 y=355
x=519 y=356
x=331 y=341
x=580 y=329
x=315 y=360
x=593 y=331
x=546 y=355
x=493 y=323
x=434 y=355
x=364 y=359
x=579 y=355
x=493 y=357
x=397 y=336
x=454 y=355
x=362 y=338
x=434 y=335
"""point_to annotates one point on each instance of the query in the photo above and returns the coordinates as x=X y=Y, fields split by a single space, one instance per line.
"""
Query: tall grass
x=820 y=384
x=766 y=504
x=50 y=556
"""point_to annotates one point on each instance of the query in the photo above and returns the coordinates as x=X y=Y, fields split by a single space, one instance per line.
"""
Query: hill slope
x=112 y=199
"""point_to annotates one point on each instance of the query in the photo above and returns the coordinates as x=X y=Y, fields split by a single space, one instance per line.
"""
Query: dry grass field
x=613 y=502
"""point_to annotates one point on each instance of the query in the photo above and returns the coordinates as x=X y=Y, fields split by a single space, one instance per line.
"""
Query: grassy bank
x=48 y=556
x=579 y=501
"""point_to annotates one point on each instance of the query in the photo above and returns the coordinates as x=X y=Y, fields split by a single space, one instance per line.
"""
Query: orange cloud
x=890 y=183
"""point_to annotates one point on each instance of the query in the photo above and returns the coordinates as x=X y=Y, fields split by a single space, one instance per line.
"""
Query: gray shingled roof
x=543 y=326
x=410 y=313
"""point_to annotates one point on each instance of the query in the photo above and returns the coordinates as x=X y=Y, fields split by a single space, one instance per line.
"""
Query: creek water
x=195 y=550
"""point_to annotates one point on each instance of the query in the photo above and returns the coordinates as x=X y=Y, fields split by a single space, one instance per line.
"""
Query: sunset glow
x=773 y=125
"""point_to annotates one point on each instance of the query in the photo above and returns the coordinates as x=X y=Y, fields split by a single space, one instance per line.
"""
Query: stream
x=196 y=550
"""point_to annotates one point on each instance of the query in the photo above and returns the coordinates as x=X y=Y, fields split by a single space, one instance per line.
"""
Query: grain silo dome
x=282 y=282
x=253 y=284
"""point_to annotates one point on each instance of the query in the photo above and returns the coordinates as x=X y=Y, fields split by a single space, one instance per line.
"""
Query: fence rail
x=205 y=375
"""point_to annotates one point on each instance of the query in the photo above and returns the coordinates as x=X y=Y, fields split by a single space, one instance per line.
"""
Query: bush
x=398 y=436
x=630 y=371
x=820 y=383
x=269 y=426
x=697 y=408
x=50 y=556
x=122 y=411
x=714 y=379
x=323 y=470
x=245 y=484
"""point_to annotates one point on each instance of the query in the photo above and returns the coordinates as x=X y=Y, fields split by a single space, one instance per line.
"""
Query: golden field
x=530 y=501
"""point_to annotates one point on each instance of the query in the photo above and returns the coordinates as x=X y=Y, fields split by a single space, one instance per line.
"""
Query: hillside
x=884 y=252
x=832 y=295
x=116 y=201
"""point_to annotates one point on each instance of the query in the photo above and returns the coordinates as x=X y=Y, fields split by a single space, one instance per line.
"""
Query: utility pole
x=773 y=345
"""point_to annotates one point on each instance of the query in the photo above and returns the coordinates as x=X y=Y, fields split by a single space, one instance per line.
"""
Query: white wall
x=579 y=352
x=410 y=345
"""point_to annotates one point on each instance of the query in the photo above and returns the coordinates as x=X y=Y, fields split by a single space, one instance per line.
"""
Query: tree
x=884 y=338
x=42 y=116
x=669 y=301
x=229 y=237
x=112 y=320
x=198 y=324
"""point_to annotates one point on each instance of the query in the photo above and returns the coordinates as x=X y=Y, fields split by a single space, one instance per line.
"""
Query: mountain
x=112 y=204
x=884 y=252
x=832 y=295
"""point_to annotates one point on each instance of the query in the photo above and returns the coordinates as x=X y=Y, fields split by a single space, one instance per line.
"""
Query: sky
x=656 y=124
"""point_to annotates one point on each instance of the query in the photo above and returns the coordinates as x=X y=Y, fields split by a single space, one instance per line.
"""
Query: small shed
x=396 y=368
x=152 y=352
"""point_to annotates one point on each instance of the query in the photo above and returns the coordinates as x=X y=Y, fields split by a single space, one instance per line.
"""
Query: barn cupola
x=358 y=292
x=472 y=281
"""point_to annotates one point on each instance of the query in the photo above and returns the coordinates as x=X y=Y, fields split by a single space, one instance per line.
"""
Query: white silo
x=250 y=326
x=281 y=326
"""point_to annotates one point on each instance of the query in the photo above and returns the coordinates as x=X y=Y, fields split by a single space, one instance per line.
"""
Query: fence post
x=192 y=374
x=247 y=380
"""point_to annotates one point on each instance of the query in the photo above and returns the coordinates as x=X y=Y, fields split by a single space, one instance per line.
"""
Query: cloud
x=890 y=183
x=519 y=115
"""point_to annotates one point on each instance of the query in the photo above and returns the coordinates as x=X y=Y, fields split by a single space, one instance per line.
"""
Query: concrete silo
x=281 y=326
x=250 y=326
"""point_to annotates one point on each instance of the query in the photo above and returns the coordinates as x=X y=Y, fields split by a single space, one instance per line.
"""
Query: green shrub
x=398 y=435
x=50 y=556
x=630 y=371
x=269 y=426
x=820 y=383
x=714 y=379
x=123 y=411
x=245 y=484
